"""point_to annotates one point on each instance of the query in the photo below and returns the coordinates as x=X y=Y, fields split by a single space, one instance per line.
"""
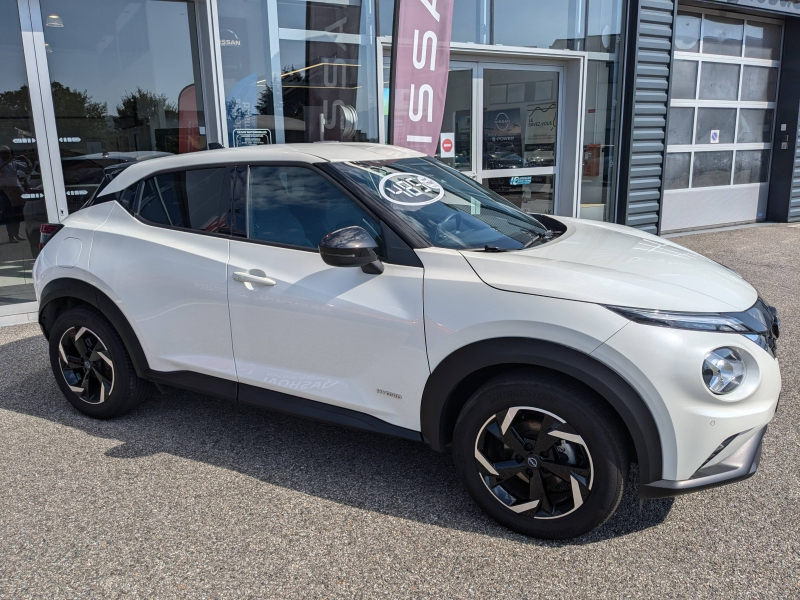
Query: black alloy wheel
x=534 y=463
x=86 y=365
x=541 y=454
x=92 y=366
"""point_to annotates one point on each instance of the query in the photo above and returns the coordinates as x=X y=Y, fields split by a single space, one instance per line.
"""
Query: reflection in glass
x=755 y=126
x=457 y=120
x=711 y=168
x=520 y=118
x=762 y=40
x=539 y=23
x=681 y=125
x=604 y=25
x=533 y=193
x=125 y=83
x=684 y=79
x=599 y=138
x=722 y=35
x=719 y=81
x=715 y=125
x=676 y=172
x=321 y=85
x=687 y=32
x=22 y=206
x=752 y=166
x=759 y=83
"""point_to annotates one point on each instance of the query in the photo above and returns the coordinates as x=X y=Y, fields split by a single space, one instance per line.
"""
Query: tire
x=85 y=350
x=559 y=485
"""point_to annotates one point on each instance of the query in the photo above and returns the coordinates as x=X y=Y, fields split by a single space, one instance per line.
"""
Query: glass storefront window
x=298 y=71
x=457 y=120
x=684 y=79
x=676 y=172
x=520 y=116
x=125 y=80
x=687 y=32
x=719 y=81
x=755 y=126
x=752 y=166
x=22 y=207
x=532 y=193
x=539 y=23
x=715 y=125
x=722 y=35
x=762 y=40
x=711 y=169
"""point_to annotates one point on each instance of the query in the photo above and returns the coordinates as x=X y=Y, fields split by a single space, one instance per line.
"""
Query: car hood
x=616 y=265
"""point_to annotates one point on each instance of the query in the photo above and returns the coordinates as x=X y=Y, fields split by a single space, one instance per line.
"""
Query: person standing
x=14 y=172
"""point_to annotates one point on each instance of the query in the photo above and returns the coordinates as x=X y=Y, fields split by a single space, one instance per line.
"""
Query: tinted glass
x=443 y=207
x=762 y=40
x=719 y=81
x=676 y=175
x=681 y=123
x=539 y=23
x=297 y=207
x=22 y=205
x=715 y=125
x=189 y=199
x=684 y=79
x=752 y=166
x=687 y=32
x=125 y=80
x=755 y=126
x=758 y=83
x=712 y=168
x=722 y=35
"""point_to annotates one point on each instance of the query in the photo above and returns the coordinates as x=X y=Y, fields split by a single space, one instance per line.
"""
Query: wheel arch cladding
x=64 y=293
x=459 y=375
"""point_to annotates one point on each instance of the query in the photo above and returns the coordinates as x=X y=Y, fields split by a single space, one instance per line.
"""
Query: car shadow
x=363 y=470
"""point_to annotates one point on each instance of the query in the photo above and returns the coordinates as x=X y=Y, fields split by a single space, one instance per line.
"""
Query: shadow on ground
x=367 y=471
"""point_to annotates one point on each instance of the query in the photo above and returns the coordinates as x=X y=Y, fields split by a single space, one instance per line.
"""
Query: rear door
x=165 y=263
x=330 y=334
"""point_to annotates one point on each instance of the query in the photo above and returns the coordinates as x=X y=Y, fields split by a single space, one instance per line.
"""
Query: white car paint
x=338 y=335
x=330 y=334
x=619 y=266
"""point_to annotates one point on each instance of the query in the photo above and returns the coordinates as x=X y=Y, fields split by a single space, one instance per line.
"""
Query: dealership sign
x=420 y=65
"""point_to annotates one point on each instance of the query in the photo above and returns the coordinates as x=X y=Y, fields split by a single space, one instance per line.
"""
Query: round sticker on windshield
x=410 y=189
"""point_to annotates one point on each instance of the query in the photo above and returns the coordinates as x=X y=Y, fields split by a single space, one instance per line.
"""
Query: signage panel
x=420 y=66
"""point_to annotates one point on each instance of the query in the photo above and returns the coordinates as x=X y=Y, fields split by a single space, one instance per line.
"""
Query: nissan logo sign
x=501 y=121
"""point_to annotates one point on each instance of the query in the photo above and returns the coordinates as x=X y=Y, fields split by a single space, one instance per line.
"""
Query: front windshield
x=443 y=207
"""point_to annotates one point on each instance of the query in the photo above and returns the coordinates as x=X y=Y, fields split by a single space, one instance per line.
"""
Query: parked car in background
x=370 y=286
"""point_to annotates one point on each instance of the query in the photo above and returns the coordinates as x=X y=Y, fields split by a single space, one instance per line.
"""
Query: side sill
x=278 y=401
x=320 y=411
x=194 y=382
x=737 y=467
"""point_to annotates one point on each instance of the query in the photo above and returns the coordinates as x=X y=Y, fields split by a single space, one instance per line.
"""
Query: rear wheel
x=541 y=455
x=92 y=366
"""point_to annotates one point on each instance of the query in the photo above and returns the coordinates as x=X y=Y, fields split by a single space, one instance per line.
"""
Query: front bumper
x=738 y=466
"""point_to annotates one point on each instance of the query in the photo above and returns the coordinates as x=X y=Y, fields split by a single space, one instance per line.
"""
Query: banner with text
x=420 y=65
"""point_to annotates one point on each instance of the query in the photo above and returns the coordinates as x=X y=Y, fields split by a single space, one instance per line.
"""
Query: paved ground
x=193 y=497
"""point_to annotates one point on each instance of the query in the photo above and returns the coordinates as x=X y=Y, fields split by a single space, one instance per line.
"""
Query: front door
x=301 y=327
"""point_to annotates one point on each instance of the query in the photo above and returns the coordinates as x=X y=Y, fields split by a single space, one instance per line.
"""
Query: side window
x=194 y=199
x=297 y=207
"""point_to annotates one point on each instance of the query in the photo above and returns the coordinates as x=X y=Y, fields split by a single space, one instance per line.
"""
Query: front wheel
x=541 y=454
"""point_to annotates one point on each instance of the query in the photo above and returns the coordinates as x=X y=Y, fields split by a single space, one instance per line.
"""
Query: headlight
x=723 y=370
x=683 y=320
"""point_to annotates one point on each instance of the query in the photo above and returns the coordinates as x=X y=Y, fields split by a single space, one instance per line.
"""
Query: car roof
x=300 y=153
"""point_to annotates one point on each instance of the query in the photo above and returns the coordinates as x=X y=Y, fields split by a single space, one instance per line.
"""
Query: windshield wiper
x=488 y=248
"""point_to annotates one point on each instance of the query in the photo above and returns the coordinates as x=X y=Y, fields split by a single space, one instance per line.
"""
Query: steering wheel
x=451 y=223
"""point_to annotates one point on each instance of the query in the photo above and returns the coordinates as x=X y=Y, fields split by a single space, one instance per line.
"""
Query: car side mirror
x=351 y=247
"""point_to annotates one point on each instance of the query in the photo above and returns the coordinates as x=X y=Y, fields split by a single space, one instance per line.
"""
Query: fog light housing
x=723 y=370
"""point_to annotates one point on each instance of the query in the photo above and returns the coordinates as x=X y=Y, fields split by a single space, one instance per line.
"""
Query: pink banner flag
x=420 y=65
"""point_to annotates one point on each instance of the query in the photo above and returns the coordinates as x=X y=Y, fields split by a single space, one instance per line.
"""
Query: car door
x=330 y=334
x=166 y=267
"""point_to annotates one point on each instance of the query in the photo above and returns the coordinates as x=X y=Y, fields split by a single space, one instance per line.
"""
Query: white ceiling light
x=54 y=21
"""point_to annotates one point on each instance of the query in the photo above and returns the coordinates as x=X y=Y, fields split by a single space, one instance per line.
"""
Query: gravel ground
x=191 y=497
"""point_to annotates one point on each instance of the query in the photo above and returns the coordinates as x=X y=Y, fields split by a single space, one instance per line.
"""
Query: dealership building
x=666 y=116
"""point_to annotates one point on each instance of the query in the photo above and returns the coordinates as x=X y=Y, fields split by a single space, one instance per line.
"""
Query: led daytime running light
x=681 y=320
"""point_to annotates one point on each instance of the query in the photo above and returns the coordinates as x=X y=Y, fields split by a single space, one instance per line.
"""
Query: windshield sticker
x=410 y=189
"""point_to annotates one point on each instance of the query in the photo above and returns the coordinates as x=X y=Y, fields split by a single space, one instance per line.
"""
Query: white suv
x=370 y=286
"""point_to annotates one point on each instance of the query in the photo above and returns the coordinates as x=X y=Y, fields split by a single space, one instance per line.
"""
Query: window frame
x=696 y=103
x=223 y=203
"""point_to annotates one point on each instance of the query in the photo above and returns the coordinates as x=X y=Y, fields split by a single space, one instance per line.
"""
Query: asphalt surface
x=192 y=497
